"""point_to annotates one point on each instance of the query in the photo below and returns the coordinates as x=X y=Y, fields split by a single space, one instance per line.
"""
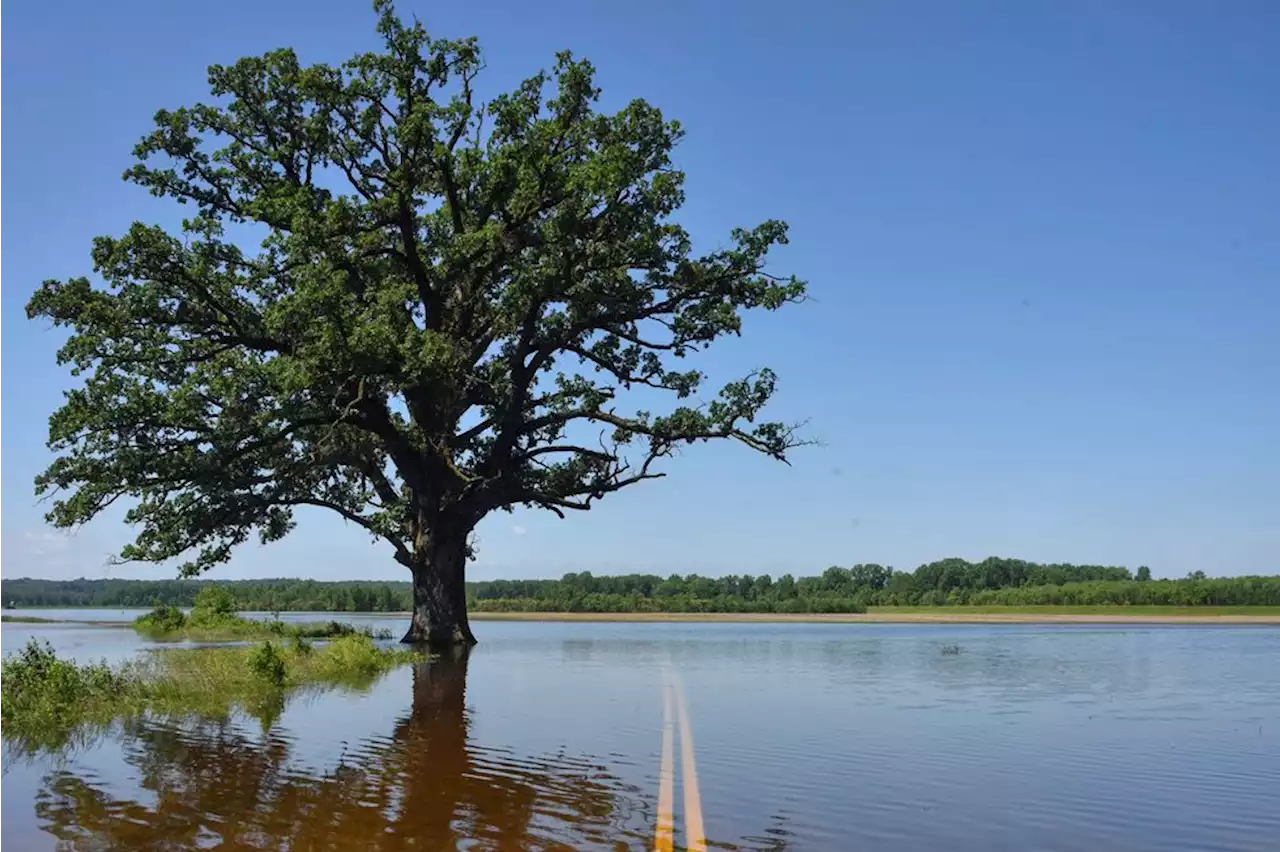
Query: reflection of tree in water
x=424 y=787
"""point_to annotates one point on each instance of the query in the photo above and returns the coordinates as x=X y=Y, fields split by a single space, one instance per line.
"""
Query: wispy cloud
x=45 y=542
x=518 y=530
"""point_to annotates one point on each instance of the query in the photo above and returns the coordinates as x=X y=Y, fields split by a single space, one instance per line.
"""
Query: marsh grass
x=49 y=703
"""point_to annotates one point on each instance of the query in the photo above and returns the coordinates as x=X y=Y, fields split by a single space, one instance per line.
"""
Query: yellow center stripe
x=664 y=839
x=696 y=838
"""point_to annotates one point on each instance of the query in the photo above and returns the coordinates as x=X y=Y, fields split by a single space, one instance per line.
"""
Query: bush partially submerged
x=48 y=701
x=40 y=687
x=265 y=662
x=163 y=618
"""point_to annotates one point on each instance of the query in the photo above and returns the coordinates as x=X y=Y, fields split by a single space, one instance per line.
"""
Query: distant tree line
x=253 y=595
x=948 y=582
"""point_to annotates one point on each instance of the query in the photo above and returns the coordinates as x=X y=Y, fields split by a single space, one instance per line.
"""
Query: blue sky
x=1042 y=238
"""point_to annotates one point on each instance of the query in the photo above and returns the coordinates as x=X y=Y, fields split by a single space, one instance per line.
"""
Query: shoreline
x=941 y=615
x=876 y=618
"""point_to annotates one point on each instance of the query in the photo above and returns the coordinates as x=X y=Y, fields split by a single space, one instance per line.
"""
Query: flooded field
x=758 y=736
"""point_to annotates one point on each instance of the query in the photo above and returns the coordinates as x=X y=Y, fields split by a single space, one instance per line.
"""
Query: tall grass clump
x=355 y=658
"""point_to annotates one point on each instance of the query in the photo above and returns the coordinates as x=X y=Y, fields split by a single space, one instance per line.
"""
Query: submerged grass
x=50 y=702
x=29 y=619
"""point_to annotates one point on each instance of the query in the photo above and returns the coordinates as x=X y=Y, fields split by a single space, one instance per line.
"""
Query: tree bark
x=440 y=594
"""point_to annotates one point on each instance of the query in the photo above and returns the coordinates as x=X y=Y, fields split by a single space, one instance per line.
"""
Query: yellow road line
x=696 y=838
x=664 y=840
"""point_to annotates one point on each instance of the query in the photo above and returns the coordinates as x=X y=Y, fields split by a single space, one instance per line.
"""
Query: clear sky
x=1043 y=241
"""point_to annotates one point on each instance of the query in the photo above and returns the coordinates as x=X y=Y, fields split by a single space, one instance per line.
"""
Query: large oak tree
x=445 y=308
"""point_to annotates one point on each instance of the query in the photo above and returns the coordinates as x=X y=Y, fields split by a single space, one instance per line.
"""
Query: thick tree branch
x=403 y=554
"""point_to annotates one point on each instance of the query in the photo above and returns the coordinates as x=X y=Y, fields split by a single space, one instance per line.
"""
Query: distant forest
x=948 y=582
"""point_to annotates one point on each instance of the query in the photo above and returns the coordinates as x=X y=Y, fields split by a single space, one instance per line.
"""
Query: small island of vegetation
x=215 y=616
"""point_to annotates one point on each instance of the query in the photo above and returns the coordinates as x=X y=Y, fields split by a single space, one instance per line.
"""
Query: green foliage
x=443 y=317
x=351 y=656
x=38 y=685
x=42 y=697
x=48 y=702
x=949 y=582
x=215 y=617
x=1143 y=575
x=959 y=583
x=265 y=662
x=1226 y=591
x=596 y=602
x=163 y=618
x=250 y=595
x=214 y=603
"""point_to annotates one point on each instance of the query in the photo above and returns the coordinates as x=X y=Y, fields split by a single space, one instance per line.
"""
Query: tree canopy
x=446 y=304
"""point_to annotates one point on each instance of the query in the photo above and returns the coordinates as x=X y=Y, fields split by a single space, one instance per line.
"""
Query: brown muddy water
x=756 y=736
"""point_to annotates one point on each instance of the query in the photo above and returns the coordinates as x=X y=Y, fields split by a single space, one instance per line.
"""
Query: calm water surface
x=826 y=737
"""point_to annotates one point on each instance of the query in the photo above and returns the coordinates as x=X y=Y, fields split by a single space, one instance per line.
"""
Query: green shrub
x=338 y=629
x=162 y=619
x=266 y=663
x=36 y=685
x=214 y=606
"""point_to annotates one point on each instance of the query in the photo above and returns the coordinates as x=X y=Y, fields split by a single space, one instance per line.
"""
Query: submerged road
x=675 y=711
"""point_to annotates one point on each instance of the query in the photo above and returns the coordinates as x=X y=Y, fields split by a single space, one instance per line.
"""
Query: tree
x=448 y=305
x=1144 y=573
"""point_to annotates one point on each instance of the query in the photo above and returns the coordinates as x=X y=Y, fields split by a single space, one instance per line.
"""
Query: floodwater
x=822 y=737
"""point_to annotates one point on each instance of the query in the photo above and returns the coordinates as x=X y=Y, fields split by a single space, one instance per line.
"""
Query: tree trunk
x=440 y=594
